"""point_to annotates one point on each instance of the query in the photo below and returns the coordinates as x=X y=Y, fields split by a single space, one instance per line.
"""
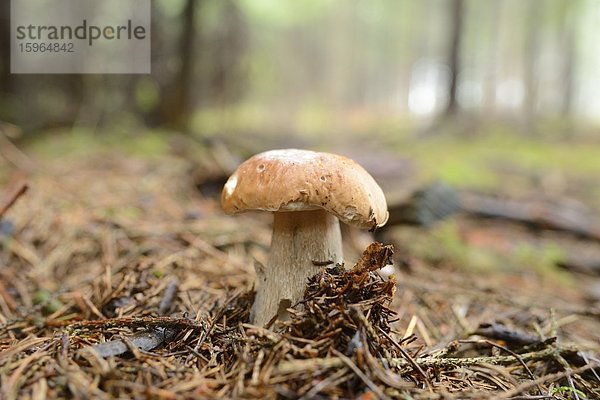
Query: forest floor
x=120 y=279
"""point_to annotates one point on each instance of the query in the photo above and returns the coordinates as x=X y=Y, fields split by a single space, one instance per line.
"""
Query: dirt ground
x=119 y=279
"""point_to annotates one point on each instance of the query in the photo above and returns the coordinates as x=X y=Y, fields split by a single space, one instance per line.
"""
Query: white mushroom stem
x=303 y=242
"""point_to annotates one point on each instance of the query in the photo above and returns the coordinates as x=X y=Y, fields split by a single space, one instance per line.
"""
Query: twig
x=550 y=377
x=512 y=353
x=500 y=332
x=149 y=338
x=423 y=362
x=12 y=383
x=408 y=358
x=146 y=340
x=20 y=191
x=213 y=323
x=135 y=322
x=23 y=345
x=357 y=314
x=539 y=215
x=360 y=374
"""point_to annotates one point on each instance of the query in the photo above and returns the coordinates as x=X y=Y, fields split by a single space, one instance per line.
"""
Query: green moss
x=83 y=142
x=543 y=261
x=231 y=120
x=123 y=212
x=157 y=273
x=446 y=238
x=444 y=243
x=474 y=162
x=49 y=303
x=567 y=390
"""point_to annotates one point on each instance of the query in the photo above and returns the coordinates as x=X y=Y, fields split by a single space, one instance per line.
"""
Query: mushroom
x=308 y=192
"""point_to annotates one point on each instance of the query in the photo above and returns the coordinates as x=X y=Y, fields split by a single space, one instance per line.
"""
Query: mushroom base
x=303 y=242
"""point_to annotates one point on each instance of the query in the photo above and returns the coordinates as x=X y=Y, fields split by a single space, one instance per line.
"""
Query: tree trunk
x=175 y=108
x=530 y=72
x=5 y=77
x=493 y=53
x=228 y=46
x=569 y=46
x=456 y=27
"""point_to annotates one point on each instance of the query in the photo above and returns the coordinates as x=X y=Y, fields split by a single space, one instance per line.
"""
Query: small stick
x=424 y=362
x=551 y=377
x=408 y=358
x=135 y=322
x=213 y=323
x=512 y=353
x=13 y=198
x=360 y=374
x=321 y=263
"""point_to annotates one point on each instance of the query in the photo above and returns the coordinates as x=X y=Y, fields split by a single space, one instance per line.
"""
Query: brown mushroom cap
x=302 y=180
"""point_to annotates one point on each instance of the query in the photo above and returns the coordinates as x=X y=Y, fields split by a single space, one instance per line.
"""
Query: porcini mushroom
x=308 y=192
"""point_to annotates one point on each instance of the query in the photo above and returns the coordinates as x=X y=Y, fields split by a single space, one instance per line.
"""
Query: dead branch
x=511 y=336
x=146 y=340
x=539 y=215
x=134 y=322
x=424 y=206
x=293 y=366
x=13 y=197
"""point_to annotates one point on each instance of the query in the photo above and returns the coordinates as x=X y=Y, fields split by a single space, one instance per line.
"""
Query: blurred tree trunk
x=175 y=107
x=456 y=28
x=569 y=45
x=228 y=46
x=532 y=42
x=5 y=77
x=20 y=102
x=342 y=57
x=493 y=52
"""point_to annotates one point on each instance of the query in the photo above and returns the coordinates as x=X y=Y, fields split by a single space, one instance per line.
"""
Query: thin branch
x=360 y=374
x=551 y=377
x=408 y=358
x=8 y=203
x=423 y=362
